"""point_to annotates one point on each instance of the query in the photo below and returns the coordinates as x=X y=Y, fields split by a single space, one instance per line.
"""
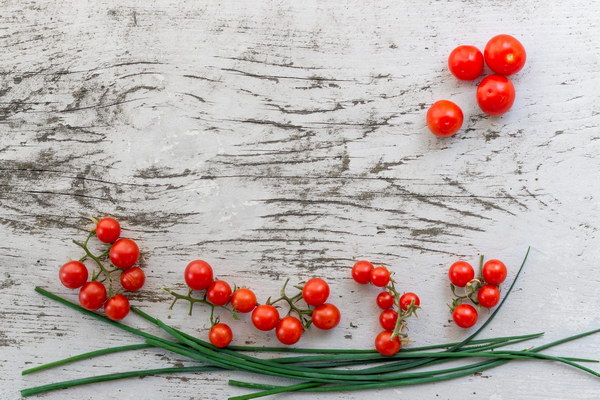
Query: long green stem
x=84 y=356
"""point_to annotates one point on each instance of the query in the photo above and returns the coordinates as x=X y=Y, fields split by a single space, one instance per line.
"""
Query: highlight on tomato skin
x=465 y=315
x=495 y=95
x=461 y=273
x=444 y=118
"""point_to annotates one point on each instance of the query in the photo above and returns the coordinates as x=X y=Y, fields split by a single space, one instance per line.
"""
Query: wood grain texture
x=277 y=140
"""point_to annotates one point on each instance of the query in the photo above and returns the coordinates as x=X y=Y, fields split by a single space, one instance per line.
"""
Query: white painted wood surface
x=277 y=140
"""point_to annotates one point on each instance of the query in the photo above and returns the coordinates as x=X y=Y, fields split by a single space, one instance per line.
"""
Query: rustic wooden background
x=277 y=140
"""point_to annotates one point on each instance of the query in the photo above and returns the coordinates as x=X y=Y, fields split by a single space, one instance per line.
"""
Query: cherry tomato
x=494 y=272
x=505 y=55
x=73 y=274
x=407 y=299
x=315 y=292
x=124 y=253
x=488 y=296
x=326 y=316
x=265 y=317
x=385 y=300
x=243 y=300
x=385 y=346
x=289 y=330
x=380 y=276
x=444 y=118
x=92 y=295
x=466 y=63
x=117 y=307
x=461 y=273
x=133 y=279
x=108 y=230
x=220 y=335
x=361 y=272
x=495 y=95
x=465 y=315
x=388 y=319
x=218 y=293
x=198 y=275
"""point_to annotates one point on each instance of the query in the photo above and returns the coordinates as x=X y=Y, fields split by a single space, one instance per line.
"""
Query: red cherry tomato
x=385 y=346
x=220 y=335
x=133 y=279
x=466 y=62
x=315 y=292
x=289 y=330
x=461 y=273
x=117 y=307
x=198 y=275
x=488 y=296
x=385 y=300
x=218 y=293
x=265 y=317
x=326 y=316
x=243 y=300
x=108 y=230
x=388 y=319
x=494 y=272
x=465 y=315
x=407 y=299
x=380 y=276
x=92 y=295
x=495 y=95
x=73 y=274
x=505 y=55
x=361 y=272
x=124 y=253
x=444 y=118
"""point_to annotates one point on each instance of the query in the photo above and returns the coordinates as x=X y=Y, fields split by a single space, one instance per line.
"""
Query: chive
x=110 y=377
x=83 y=356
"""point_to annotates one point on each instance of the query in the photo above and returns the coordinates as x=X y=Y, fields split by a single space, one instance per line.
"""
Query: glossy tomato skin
x=220 y=335
x=243 y=300
x=289 y=330
x=465 y=315
x=461 y=273
x=124 y=253
x=218 y=293
x=488 y=296
x=108 y=230
x=326 y=316
x=361 y=272
x=315 y=292
x=117 y=307
x=495 y=95
x=198 y=275
x=380 y=276
x=505 y=55
x=133 y=279
x=444 y=118
x=494 y=272
x=92 y=295
x=265 y=317
x=385 y=346
x=407 y=299
x=73 y=274
x=466 y=62
x=385 y=300
x=388 y=319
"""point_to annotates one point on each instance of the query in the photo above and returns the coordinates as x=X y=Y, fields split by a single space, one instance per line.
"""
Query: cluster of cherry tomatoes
x=123 y=254
x=265 y=317
x=505 y=55
x=483 y=291
x=389 y=341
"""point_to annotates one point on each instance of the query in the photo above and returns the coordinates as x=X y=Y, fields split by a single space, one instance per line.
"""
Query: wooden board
x=277 y=140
